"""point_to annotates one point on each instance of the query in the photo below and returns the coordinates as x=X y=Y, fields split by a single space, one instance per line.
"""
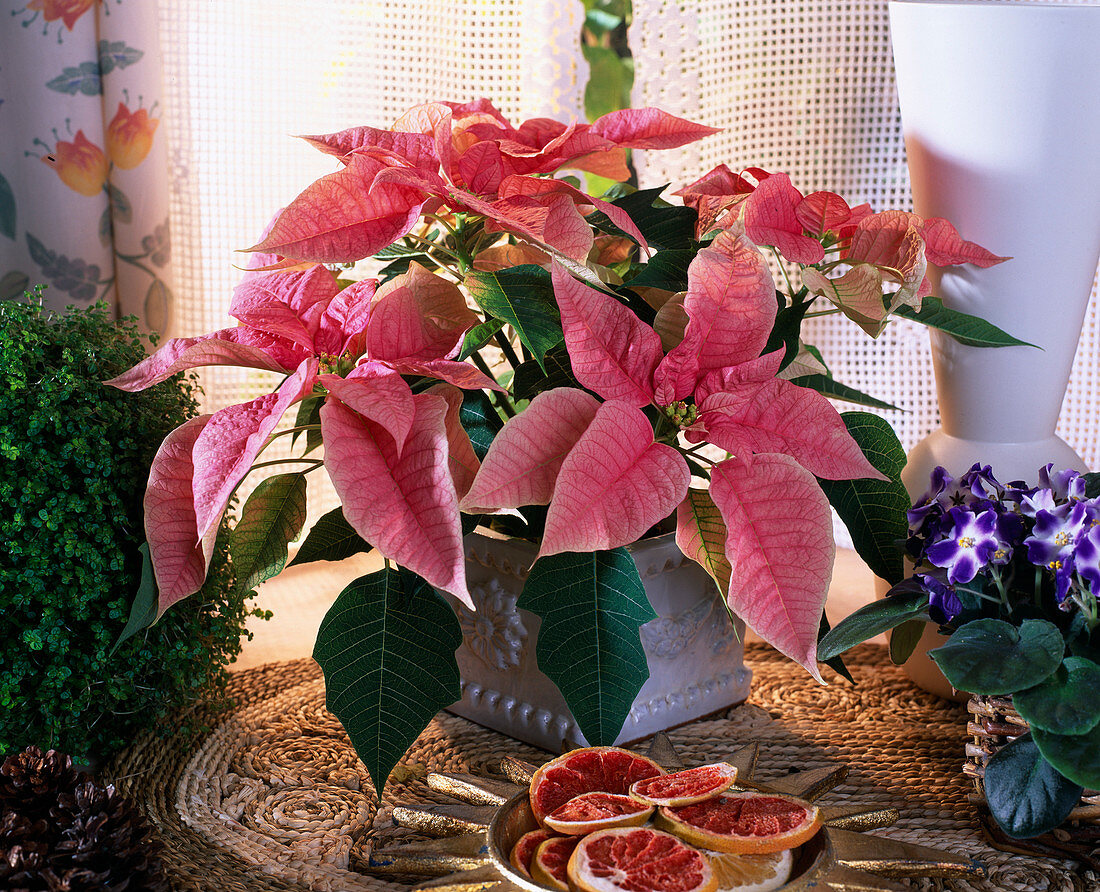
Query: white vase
x=693 y=652
x=1000 y=105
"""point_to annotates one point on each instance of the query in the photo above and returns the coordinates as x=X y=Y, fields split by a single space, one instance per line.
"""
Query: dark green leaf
x=82 y=78
x=664 y=226
x=478 y=336
x=1068 y=702
x=1092 y=484
x=556 y=371
x=7 y=209
x=1027 y=796
x=121 y=209
x=272 y=517
x=523 y=297
x=873 y=619
x=904 y=640
x=309 y=412
x=13 y=284
x=667 y=270
x=835 y=663
x=331 y=538
x=480 y=420
x=387 y=648
x=966 y=329
x=591 y=606
x=786 y=329
x=1077 y=756
x=143 y=612
x=833 y=389
x=874 y=511
x=990 y=656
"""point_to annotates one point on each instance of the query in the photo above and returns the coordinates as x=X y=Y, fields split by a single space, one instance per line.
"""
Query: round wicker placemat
x=273 y=798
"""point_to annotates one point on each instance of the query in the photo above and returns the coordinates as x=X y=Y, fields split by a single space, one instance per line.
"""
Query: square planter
x=693 y=653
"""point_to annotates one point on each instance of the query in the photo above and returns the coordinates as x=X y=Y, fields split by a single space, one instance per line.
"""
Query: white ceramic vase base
x=693 y=651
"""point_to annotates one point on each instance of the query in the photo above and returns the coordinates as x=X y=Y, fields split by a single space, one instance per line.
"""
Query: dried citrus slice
x=638 y=859
x=745 y=823
x=524 y=850
x=598 y=811
x=551 y=857
x=605 y=769
x=685 y=787
x=751 y=873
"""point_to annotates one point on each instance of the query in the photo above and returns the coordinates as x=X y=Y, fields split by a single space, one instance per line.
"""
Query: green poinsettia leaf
x=667 y=270
x=835 y=663
x=591 y=606
x=523 y=297
x=1068 y=702
x=331 y=538
x=990 y=656
x=665 y=226
x=1026 y=794
x=904 y=640
x=309 y=413
x=899 y=606
x=480 y=420
x=143 y=612
x=964 y=328
x=478 y=336
x=833 y=389
x=532 y=378
x=787 y=329
x=272 y=517
x=387 y=649
x=1077 y=756
x=874 y=511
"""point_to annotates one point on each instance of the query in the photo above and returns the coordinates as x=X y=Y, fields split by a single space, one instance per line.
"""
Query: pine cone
x=63 y=832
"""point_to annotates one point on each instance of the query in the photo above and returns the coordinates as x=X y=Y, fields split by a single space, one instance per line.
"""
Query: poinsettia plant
x=1011 y=572
x=578 y=370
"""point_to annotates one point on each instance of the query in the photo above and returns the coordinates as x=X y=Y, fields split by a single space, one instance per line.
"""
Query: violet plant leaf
x=994 y=657
x=1026 y=794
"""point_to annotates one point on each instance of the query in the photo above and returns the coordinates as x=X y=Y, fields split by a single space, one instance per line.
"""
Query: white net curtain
x=803 y=86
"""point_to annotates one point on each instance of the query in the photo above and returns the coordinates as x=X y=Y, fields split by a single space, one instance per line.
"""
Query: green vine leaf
x=83 y=78
x=272 y=517
x=116 y=54
x=387 y=649
x=592 y=606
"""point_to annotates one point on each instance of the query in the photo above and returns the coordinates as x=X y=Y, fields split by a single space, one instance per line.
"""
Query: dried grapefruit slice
x=751 y=873
x=685 y=787
x=523 y=852
x=598 y=811
x=745 y=823
x=551 y=857
x=605 y=769
x=638 y=859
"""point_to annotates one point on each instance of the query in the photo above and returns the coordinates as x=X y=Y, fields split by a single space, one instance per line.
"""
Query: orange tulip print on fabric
x=81 y=164
x=130 y=136
x=66 y=10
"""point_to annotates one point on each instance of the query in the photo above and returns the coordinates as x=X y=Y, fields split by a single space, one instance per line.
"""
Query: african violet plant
x=650 y=374
x=1012 y=573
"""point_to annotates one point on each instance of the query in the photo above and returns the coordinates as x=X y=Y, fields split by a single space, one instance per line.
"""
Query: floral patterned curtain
x=83 y=170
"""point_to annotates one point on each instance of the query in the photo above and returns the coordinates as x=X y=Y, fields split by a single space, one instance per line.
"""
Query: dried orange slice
x=744 y=823
x=598 y=811
x=685 y=787
x=751 y=873
x=551 y=857
x=638 y=859
x=605 y=769
x=523 y=852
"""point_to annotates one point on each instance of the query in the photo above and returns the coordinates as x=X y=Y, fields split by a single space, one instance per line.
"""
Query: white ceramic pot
x=1000 y=106
x=693 y=652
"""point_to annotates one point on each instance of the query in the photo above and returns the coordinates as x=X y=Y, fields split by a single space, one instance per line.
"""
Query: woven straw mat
x=274 y=798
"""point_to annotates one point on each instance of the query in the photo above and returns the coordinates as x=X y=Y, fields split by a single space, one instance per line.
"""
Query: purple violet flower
x=943 y=604
x=968 y=547
x=1054 y=540
x=1086 y=558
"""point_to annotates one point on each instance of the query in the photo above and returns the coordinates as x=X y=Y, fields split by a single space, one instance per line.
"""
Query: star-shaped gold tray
x=475 y=834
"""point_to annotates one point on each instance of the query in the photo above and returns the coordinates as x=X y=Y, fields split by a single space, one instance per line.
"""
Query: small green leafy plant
x=1011 y=572
x=75 y=461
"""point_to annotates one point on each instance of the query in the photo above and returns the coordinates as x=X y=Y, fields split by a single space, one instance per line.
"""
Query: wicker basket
x=992 y=724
